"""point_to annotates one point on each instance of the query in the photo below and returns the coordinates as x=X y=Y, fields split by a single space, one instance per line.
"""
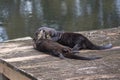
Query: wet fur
x=73 y=40
x=55 y=49
x=59 y=50
x=78 y=42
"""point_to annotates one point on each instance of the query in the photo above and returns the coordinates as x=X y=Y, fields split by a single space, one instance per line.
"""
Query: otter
x=56 y=49
x=75 y=41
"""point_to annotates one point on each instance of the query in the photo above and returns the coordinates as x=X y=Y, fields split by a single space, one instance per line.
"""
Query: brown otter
x=56 y=49
x=72 y=40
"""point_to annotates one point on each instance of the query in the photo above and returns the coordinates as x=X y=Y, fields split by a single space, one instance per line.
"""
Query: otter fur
x=56 y=49
x=73 y=40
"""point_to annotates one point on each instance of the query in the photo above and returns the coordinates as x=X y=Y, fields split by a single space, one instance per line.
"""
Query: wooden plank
x=13 y=73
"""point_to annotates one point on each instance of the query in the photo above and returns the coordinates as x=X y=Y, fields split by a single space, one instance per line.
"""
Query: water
x=21 y=18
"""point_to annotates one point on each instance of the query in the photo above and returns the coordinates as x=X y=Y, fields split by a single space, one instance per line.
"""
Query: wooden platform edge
x=13 y=73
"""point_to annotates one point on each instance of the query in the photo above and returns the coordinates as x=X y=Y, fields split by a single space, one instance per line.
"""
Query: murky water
x=22 y=17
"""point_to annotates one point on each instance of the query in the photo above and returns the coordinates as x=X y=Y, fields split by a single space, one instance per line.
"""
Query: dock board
x=19 y=61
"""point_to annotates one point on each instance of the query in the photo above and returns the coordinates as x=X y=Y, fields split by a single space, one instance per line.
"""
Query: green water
x=22 y=17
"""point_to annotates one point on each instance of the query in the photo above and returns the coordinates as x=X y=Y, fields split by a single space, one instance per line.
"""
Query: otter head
x=43 y=35
x=48 y=33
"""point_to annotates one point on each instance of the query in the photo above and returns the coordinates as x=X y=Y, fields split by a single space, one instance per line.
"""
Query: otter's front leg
x=77 y=47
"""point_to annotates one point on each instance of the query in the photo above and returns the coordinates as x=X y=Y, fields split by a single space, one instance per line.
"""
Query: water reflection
x=3 y=34
x=22 y=17
x=118 y=6
x=78 y=9
x=63 y=7
x=100 y=17
x=26 y=7
x=39 y=9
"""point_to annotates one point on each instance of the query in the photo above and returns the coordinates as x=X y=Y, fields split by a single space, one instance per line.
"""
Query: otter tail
x=108 y=46
x=72 y=56
x=90 y=45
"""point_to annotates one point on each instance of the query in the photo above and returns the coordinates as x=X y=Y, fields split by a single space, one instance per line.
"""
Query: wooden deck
x=19 y=61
